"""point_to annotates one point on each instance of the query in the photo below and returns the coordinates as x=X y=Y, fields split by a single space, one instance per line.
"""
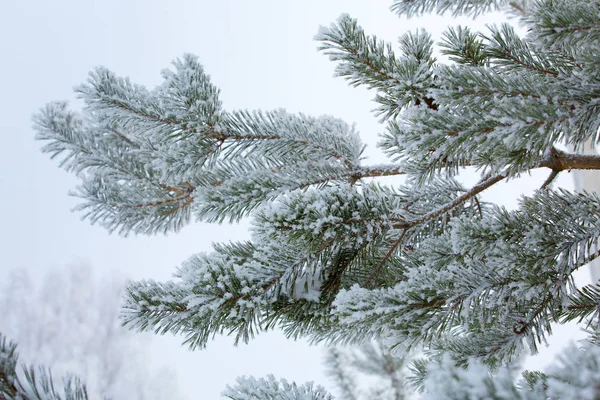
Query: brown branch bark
x=550 y=179
x=8 y=384
x=355 y=174
x=558 y=160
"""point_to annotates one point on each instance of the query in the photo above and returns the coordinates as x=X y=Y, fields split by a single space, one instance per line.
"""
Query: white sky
x=262 y=56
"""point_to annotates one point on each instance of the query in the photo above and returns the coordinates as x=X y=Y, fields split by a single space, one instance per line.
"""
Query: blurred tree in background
x=69 y=321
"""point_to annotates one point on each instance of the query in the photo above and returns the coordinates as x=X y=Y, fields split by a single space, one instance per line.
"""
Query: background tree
x=342 y=259
x=70 y=323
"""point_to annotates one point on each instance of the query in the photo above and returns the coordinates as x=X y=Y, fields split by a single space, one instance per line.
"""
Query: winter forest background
x=262 y=56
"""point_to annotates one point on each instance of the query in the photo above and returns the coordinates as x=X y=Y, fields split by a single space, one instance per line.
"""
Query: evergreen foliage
x=249 y=388
x=341 y=259
x=35 y=383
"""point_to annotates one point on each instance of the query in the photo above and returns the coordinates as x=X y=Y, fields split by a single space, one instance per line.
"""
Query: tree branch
x=550 y=178
x=558 y=160
x=8 y=384
x=430 y=102
x=555 y=159
x=475 y=190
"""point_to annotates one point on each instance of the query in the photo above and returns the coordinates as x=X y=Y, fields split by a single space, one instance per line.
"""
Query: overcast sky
x=260 y=53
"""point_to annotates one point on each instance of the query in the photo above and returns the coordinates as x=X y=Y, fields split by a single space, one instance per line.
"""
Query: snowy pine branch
x=249 y=388
x=339 y=259
x=499 y=259
x=365 y=60
x=583 y=304
x=463 y=47
x=564 y=25
x=472 y=8
x=34 y=383
x=575 y=377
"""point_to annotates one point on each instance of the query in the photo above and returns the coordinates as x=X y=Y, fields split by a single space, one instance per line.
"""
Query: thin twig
x=179 y=207
x=478 y=207
x=517 y=7
x=387 y=256
x=456 y=202
x=550 y=178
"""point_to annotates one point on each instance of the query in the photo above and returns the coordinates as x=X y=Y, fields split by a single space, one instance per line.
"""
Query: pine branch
x=585 y=303
x=472 y=8
x=464 y=47
x=38 y=384
x=345 y=261
x=365 y=60
x=475 y=190
x=8 y=363
x=555 y=160
x=565 y=24
x=271 y=389
x=507 y=50
x=550 y=179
